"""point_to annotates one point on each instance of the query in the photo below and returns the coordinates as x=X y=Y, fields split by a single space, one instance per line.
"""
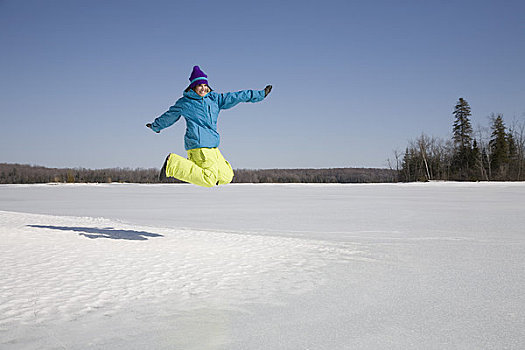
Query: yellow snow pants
x=204 y=167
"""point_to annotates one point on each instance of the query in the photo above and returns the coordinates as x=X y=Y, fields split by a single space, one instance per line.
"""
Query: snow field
x=64 y=267
x=384 y=266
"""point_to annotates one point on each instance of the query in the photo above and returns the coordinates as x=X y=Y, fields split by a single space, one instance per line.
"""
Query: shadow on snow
x=107 y=232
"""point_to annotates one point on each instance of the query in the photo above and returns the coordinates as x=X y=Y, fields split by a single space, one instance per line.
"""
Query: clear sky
x=353 y=80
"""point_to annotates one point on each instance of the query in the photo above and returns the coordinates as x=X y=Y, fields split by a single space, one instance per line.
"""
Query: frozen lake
x=368 y=266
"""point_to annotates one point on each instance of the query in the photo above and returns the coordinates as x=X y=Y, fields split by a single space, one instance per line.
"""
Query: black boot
x=162 y=174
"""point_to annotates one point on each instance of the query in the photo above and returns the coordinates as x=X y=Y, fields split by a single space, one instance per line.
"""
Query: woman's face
x=202 y=90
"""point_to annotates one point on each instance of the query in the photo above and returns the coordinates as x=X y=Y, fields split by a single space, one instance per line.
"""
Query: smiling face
x=201 y=89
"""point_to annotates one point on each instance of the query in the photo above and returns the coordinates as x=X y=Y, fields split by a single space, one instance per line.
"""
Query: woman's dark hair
x=188 y=88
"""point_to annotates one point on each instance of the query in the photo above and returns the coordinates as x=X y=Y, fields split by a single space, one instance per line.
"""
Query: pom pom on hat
x=197 y=77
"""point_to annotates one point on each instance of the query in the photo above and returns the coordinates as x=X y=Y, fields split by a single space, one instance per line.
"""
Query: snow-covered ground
x=378 y=266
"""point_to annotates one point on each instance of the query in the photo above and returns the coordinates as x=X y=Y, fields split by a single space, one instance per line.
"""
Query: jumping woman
x=200 y=106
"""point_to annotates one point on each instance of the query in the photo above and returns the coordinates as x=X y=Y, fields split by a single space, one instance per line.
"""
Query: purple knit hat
x=197 y=77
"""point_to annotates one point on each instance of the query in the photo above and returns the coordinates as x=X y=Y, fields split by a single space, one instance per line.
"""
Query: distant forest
x=29 y=174
x=493 y=153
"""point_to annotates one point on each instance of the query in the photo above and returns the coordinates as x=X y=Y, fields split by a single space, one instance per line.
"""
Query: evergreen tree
x=462 y=137
x=462 y=128
x=513 y=156
x=476 y=157
x=499 y=147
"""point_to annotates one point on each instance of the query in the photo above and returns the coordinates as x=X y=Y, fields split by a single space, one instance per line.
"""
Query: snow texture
x=379 y=266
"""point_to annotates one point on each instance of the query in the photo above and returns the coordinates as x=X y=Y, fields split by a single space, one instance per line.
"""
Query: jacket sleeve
x=168 y=118
x=231 y=99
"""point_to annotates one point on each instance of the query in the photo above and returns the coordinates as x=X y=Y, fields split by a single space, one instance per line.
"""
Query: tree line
x=333 y=175
x=496 y=152
x=29 y=174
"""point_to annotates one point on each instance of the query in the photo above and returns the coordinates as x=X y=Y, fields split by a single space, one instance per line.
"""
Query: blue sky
x=353 y=80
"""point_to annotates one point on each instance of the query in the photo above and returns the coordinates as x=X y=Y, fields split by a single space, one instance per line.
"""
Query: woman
x=200 y=106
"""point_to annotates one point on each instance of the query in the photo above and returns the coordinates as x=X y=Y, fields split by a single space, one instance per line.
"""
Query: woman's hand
x=267 y=90
x=149 y=126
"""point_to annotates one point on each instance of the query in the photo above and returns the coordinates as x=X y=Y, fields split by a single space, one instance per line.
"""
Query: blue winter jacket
x=201 y=115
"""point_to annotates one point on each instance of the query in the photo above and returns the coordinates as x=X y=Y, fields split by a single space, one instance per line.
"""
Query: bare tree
x=483 y=139
x=518 y=133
